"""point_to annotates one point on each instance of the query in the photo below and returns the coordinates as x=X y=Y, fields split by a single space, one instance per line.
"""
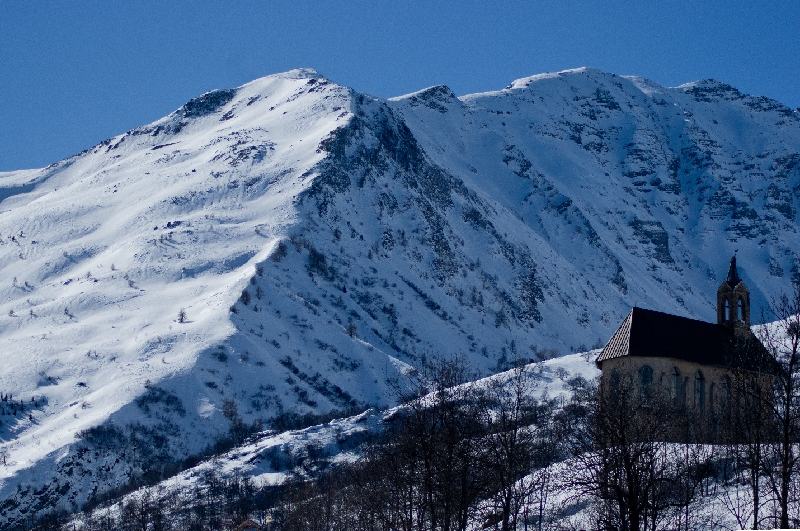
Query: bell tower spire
x=733 y=302
x=733 y=273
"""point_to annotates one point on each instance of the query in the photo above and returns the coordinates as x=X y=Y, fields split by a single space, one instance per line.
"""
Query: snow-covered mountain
x=295 y=246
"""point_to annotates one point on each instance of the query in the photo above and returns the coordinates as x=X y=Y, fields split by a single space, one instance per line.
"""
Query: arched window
x=740 y=309
x=685 y=389
x=753 y=397
x=727 y=311
x=614 y=393
x=712 y=391
x=677 y=391
x=645 y=381
x=727 y=395
x=699 y=392
x=615 y=380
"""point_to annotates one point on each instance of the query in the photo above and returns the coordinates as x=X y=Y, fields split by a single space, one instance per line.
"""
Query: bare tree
x=519 y=440
x=442 y=431
x=782 y=341
x=136 y=511
x=746 y=426
x=623 y=457
x=427 y=472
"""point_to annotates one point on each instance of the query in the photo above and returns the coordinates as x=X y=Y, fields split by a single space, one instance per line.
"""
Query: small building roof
x=648 y=333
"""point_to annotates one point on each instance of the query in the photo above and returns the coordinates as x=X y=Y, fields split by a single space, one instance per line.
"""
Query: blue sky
x=73 y=73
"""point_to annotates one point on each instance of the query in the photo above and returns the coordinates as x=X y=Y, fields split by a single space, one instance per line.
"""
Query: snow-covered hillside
x=294 y=246
x=272 y=458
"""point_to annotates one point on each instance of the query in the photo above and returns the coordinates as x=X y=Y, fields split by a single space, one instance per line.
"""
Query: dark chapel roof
x=648 y=333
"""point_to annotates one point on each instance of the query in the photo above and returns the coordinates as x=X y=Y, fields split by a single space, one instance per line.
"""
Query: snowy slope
x=274 y=457
x=324 y=243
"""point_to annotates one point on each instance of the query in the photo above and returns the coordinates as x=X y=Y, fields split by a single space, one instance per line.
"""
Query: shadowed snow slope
x=272 y=457
x=294 y=246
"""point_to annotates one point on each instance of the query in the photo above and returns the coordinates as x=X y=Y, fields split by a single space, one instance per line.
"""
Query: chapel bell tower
x=733 y=302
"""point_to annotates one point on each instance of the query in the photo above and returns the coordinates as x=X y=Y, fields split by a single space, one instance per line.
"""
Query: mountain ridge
x=322 y=245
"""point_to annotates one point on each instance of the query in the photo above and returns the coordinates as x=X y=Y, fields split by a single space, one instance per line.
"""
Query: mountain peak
x=265 y=83
x=438 y=97
x=303 y=73
x=525 y=82
x=706 y=82
x=295 y=73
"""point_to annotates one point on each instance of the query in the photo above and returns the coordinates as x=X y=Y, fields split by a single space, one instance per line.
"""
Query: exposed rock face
x=637 y=176
x=294 y=246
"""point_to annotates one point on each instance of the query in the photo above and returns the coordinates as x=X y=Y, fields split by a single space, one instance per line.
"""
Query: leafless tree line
x=216 y=505
x=456 y=453
x=460 y=456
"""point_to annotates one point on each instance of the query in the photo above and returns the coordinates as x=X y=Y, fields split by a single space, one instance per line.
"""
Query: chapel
x=685 y=365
